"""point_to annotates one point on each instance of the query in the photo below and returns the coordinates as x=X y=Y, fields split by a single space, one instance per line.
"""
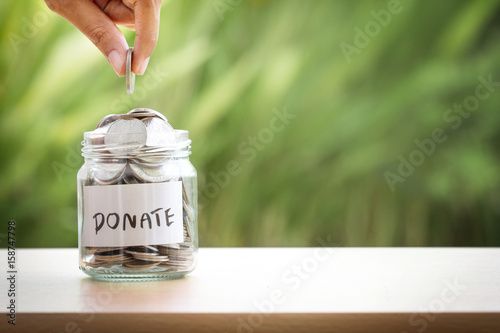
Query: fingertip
x=117 y=61
x=142 y=67
x=142 y=54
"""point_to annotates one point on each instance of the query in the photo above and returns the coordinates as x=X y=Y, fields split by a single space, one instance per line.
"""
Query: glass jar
x=137 y=200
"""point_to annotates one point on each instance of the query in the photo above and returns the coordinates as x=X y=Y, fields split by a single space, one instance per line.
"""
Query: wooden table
x=267 y=290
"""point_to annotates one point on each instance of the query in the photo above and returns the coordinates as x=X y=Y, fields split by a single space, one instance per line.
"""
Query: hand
x=97 y=19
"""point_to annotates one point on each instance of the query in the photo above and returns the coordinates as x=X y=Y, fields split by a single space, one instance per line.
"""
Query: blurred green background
x=362 y=87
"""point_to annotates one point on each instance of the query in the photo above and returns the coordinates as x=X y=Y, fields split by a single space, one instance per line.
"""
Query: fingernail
x=143 y=67
x=117 y=61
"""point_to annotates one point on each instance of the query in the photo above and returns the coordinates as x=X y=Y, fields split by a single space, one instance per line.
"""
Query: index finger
x=147 y=24
x=97 y=26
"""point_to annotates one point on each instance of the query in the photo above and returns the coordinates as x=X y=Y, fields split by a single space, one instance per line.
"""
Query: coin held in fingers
x=130 y=76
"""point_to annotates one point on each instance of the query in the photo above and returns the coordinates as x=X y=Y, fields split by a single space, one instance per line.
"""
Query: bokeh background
x=224 y=69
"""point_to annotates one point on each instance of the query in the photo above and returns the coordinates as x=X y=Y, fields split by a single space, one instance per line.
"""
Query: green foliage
x=223 y=70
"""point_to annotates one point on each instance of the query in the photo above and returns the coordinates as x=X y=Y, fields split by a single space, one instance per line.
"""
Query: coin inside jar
x=157 y=132
x=106 y=121
x=155 y=173
x=110 y=174
x=147 y=112
x=125 y=135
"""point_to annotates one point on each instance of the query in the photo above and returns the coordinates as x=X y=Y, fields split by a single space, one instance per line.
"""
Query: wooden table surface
x=266 y=290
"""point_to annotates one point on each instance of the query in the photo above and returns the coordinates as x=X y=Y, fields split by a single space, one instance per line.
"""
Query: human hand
x=97 y=19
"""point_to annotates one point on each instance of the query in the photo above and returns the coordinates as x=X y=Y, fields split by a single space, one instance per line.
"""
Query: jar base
x=145 y=276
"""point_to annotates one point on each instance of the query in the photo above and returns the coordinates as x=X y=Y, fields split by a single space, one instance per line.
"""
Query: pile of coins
x=170 y=257
x=140 y=129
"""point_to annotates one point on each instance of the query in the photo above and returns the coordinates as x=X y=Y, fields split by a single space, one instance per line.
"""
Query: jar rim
x=99 y=144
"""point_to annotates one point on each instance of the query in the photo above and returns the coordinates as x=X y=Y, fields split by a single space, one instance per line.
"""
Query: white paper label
x=129 y=215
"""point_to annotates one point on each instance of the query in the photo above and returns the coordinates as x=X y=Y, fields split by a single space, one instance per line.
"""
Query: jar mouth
x=97 y=144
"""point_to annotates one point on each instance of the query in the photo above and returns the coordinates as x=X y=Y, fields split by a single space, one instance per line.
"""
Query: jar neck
x=138 y=160
x=130 y=146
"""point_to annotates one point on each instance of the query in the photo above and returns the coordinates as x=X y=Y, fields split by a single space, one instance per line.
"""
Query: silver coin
x=150 y=247
x=187 y=228
x=109 y=119
x=106 y=121
x=104 y=249
x=176 y=266
x=142 y=249
x=156 y=173
x=108 y=174
x=112 y=259
x=125 y=135
x=141 y=115
x=144 y=111
x=188 y=211
x=138 y=265
x=150 y=257
x=130 y=75
x=185 y=196
x=159 y=132
x=128 y=176
x=172 y=246
x=133 y=252
x=143 y=256
x=149 y=160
